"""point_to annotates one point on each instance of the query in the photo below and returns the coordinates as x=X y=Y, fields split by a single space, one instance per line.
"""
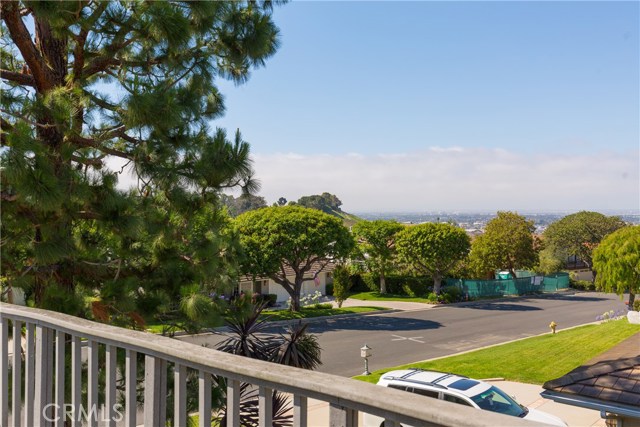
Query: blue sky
x=430 y=106
x=378 y=77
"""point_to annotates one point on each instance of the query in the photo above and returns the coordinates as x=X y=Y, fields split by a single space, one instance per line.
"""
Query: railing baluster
x=92 y=384
x=17 y=372
x=110 y=385
x=204 y=399
x=299 y=411
x=265 y=406
x=76 y=379
x=43 y=376
x=59 y=395
x=340 y=416
x=29 y=375
x=180 y=395
x=233 y=403
x=131 y=381
x=4 y=371
x=155 y=384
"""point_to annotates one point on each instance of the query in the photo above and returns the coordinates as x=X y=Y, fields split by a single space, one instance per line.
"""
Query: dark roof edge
x=597 y=369
x=596 y=404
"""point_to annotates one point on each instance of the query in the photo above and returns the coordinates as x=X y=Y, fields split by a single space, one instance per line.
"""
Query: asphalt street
x=410 y=336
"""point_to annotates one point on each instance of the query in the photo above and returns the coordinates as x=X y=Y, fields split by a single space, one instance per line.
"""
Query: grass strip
x=377 y=296
x=533 y=360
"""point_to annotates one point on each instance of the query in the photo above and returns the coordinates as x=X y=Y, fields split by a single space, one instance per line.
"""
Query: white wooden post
x=59 y=384
x=155 y=399
x=110 y=386
x=17 y=372
x=265 y=406
x=4 y=371
x=76 y=379
x=299 y=411
x=340 y=416
x=29 y=375
x=92 y=384
x=204 y=399
x=180 y=395
x=233 y=403
x=43 y=377
x=130 y=388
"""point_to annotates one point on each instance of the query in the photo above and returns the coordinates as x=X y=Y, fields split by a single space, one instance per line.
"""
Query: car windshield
x=496 y=400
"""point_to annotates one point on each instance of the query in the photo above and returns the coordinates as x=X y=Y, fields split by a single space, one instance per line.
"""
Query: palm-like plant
x=298 y=348
x=247 y=337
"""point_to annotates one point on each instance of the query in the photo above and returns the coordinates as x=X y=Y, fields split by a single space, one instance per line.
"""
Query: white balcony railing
x=38 y=396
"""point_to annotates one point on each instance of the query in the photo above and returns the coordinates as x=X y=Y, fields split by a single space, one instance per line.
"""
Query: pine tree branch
x=93 y=143
x=26 y=119
x=20 y=78
x=96 y=162
x=21 y=37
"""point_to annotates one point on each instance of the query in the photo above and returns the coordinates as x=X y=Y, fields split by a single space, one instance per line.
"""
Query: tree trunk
x=295 y=296
x=632 y=298
x=437 y=283
x=383 y=284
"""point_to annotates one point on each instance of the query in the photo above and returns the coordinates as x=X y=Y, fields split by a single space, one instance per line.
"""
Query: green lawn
x=308 y=312
x=533 y=360
x=377 y=296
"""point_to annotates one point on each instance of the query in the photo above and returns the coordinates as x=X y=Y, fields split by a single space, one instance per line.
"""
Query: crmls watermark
x=68 y=411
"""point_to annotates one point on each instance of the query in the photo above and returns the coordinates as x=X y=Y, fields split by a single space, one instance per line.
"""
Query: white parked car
x=458 y=389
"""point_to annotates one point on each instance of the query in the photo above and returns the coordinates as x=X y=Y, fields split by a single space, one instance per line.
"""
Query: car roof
x=434 y=380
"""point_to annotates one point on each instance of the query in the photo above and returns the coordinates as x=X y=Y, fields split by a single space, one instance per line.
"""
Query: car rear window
x=464 y=384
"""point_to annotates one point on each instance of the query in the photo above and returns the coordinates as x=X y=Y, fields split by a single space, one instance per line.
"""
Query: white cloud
x=457 y=179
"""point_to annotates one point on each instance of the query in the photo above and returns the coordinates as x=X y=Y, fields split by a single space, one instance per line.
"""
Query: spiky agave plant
x=247 y=337
x=298 y=348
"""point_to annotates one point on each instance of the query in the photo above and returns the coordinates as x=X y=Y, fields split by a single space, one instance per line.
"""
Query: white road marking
x=401 y=338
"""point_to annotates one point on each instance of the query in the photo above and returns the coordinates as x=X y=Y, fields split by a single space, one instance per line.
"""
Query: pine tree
x=87 y=84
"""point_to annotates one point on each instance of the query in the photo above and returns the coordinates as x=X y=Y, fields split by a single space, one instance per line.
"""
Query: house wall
x=271 y=287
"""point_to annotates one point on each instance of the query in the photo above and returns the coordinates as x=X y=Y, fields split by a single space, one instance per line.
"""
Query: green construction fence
x=520 y=286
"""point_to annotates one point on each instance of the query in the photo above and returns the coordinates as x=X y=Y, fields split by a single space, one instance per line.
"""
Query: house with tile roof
x=316 y=279
x=609 y=383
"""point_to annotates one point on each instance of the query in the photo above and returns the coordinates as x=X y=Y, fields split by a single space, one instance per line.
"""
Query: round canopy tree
x=88 y=85
x=617 y=260
x=507 y=244
x=376 y=241
x=580 y=233
x=432 y=249
x=285 y=243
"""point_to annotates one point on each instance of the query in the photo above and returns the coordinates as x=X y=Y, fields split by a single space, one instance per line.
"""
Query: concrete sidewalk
x=526 y=394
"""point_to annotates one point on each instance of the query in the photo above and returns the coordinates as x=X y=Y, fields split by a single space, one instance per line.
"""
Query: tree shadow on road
x=499 y=306
x=369 y=323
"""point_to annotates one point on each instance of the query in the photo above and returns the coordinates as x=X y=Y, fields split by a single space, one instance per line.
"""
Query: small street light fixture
x=365 y=353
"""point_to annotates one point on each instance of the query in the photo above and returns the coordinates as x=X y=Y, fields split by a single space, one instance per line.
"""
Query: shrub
x=363 y=282
x=372 y=281
x=636 y=305
x=433 y=298
x=323 y=306
x=341 y=284
x=583 y=285
x=451 y=294
x=413 y=286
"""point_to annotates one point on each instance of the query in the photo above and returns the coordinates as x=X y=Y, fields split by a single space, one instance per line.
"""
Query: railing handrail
x=385 y=402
